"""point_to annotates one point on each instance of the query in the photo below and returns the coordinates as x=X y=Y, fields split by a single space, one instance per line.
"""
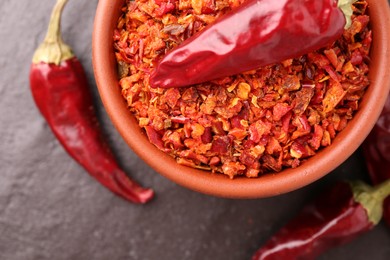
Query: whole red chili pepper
x=61 y=92
x=255 y=34
x=334 y=218
x=376 y=150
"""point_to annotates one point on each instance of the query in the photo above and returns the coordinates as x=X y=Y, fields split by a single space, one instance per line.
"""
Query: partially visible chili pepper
x=376 y=150
x=255 y=34
x=61 y=92
x=336 y=217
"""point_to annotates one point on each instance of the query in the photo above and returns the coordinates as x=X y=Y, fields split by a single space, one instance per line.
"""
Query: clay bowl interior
x=314 y=168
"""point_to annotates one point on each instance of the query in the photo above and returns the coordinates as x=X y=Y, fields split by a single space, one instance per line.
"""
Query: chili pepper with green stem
x=336 y=217
x=376 y=150
x=60 y=89
x=255 y=34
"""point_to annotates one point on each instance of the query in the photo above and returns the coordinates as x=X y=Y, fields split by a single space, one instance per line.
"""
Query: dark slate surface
x=51 y=209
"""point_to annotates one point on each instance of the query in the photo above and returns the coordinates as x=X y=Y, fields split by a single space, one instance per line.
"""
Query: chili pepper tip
x=146 y=196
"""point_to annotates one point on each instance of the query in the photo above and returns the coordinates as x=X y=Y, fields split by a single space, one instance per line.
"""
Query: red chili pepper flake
x=249 y=124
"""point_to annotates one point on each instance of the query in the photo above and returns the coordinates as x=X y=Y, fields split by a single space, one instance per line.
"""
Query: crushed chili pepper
x=376 y=150
x=249 y=124
x=255 y=34
x=336 y=217
x=61 y=92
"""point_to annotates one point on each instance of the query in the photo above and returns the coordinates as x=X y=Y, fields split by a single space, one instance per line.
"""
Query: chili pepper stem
x=346 y=7
x=53 y=49
x=371 y=198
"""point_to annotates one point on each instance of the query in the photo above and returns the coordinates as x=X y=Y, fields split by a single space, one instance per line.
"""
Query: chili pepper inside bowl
x=327 y=159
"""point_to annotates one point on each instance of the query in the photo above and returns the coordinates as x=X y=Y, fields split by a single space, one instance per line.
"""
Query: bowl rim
x=326 y=160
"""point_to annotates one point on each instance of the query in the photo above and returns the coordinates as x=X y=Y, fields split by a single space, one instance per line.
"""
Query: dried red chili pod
x=336 y=217
x=376 y=150
x=61 y=92
x=255 y=34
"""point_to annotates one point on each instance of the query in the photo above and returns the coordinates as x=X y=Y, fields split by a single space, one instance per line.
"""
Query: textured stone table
x=51 y=209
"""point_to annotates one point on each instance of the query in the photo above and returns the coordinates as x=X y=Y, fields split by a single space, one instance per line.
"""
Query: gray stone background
x=51 y=209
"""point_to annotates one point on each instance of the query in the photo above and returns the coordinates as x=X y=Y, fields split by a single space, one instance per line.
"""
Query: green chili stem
x=382 y=191
x=53 y=49
x=371 y=198
x=54 y=31
x=346 y=7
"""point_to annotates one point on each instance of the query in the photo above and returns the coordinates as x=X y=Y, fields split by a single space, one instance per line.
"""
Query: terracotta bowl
x=316 y=167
